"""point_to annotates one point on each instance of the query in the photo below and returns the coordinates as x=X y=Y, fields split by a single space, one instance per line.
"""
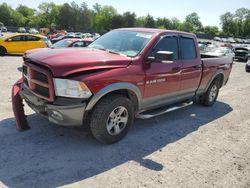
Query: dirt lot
x=191 y=147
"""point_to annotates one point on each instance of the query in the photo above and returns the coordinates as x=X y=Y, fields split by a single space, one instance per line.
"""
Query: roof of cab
x=154 y=30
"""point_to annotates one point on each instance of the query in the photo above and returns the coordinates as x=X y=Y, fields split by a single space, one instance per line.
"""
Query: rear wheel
x=111 y=118
x=209 y=98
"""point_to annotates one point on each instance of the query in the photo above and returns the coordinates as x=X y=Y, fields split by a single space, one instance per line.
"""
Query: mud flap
x=17 y=106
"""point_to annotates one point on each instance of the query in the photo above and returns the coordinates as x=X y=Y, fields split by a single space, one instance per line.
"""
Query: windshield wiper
x=113 y=52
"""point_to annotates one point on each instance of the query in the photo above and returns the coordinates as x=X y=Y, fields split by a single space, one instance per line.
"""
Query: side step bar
x=157 y=112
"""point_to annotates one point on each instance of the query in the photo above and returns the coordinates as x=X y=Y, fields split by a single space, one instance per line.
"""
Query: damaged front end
x=18 y=107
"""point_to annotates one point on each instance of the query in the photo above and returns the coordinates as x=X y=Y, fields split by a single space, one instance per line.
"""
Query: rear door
x=162 y=83
x=191 y=70
x=33 y=42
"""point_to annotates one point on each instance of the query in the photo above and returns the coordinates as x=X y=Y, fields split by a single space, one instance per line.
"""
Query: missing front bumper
x=70 y=115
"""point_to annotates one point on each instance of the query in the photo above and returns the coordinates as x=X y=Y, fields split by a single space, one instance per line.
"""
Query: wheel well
x=127 y=93
x=124 y=92
x=1 y=47
x=220 y=78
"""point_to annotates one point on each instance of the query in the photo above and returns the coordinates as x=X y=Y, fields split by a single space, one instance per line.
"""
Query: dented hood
x=67 y=61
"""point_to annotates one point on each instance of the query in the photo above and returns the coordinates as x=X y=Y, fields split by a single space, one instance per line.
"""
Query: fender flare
x=115 y=87
x=218 y=72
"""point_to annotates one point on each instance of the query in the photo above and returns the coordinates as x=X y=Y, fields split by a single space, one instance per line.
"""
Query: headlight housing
x=71 y=88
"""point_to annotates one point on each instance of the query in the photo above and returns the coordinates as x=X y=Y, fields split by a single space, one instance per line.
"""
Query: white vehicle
x=33 y=31
x=221 y=51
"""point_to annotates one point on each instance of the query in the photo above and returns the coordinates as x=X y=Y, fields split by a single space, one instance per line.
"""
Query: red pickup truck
x=125 y=74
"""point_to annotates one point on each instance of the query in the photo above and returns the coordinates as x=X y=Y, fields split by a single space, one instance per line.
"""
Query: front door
x=162 y=81
x=16 y=44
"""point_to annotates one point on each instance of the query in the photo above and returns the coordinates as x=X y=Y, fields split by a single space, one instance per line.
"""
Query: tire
x=209 y=98
x=111 y=118
x=2 y=51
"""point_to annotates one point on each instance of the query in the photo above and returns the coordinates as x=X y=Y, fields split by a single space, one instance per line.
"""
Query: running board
x=147 y=115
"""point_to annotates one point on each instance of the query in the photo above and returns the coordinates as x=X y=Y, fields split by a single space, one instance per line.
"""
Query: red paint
x=17 y=106
x=99 y=68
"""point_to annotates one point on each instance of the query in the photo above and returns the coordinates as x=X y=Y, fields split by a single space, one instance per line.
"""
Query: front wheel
x=2 y=51
x=209 y=98
x=111 y=118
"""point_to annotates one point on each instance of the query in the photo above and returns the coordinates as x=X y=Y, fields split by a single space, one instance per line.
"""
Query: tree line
x=75 y=17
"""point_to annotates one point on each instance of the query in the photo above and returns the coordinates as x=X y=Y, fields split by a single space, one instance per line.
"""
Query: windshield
x=129 y=43
x=61 y=44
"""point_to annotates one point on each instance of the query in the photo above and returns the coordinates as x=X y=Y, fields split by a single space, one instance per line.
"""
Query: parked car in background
x=231 y=40
x=248 y=65
x=19 y=43
x=242 y=53
x=202 y=47
x=54 y=40
x=72 y=42
x=224 y=40
x=217 y=39
x=95 y=35
x=238 y=40
x=228 y=45
x=21 y=30
x=3 y=29
x=221 y=51
x=33 y=31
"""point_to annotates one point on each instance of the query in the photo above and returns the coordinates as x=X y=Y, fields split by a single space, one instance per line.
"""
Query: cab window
x=188 y=50
x=17 y=38
x=169 y=43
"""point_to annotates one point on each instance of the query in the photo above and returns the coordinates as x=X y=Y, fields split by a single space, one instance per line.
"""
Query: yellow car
x=19 y=43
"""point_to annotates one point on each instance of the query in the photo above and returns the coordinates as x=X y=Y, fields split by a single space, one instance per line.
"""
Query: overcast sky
x=209 y=11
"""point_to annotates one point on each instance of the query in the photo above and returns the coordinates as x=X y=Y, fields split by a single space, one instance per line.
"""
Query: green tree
x=246 y=27
x=149 y=21
x=186 y=26
x=103 y=19
x=164 y=23
x=48 y=13
x=229 y=26
x=213 y=30
x=117 y=21
x=6 y=14
x=140 y=21
x=129 y=19
x=175 y=23
x=65 y=17
x=194 y=20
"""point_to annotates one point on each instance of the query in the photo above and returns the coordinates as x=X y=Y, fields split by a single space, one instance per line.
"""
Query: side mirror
x=165 y=56
x=9 y=40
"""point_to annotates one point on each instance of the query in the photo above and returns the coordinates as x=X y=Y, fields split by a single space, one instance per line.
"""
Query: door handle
x=176 y=69
x=197 y=66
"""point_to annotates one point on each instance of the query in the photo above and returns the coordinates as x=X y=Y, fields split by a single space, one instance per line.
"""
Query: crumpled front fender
x=18 y=107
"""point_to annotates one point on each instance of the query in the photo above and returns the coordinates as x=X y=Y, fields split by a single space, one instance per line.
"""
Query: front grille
x=42 y=90
x=40 y=76
x=39 y=80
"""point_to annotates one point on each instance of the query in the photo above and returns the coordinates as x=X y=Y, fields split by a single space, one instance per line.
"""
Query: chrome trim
x=182 y=105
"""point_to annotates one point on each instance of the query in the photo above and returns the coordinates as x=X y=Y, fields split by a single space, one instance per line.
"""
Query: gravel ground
x=192 y=147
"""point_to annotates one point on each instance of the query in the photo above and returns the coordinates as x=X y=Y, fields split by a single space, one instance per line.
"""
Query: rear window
x=188 y=50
